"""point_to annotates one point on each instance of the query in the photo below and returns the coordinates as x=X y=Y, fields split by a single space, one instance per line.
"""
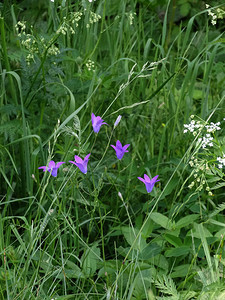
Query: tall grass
x=100 y=235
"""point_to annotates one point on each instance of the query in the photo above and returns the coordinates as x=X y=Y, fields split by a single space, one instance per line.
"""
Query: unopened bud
x=120 y=195
x=117 y=121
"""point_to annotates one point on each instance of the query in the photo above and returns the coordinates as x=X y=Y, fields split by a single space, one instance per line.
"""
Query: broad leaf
x=176 y=252
x=161 y=220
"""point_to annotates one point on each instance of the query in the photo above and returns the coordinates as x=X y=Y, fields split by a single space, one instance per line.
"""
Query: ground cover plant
x=112 y=150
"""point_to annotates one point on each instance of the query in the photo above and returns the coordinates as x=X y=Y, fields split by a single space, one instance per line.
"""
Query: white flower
x=221 y=161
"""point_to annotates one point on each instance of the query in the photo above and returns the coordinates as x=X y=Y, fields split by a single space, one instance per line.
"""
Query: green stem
x=40 y=67
x=6 y=60
x=105 y=151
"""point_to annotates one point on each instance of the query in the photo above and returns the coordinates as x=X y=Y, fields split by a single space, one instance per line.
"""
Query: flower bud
x=117 y=121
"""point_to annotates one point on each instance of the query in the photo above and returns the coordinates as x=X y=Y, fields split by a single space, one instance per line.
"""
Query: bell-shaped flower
x=97 y=122
x=120 y=150
x=149 y=183
x=80 y=163
x=52 y=167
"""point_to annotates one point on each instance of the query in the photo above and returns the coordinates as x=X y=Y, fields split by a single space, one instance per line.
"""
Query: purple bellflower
x=149 y=183
x=97 y=122
x=120 y=150
x=52 y=167
x=80 y=163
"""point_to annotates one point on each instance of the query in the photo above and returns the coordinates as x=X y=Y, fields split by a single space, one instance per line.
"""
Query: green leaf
x=149 y=251
x=159 y=261
x=218 y=186
x=184 y=9
x=141 y=282
x=161 y=220
x=180 y=271
x=176 y=252
x=196 y=233
x=147 y=229
x=90 y=258
x=130 y=235
x=187 y=220
x=173 y=240
x=201 y=230
x=71 y=273
x=169 y=188
x=109 y=267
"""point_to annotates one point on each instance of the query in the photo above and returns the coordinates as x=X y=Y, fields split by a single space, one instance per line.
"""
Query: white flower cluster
x=206 y=141
x=20 y=28
x=33 y=45
x=94 y=18
x=76 y=16
x=90 y=65
x=213 y=127
x=53 y=50
x=65 y=28
x=192 y=126
x=217 y=13
x=221 y=161
x=200 y=168
x=131 y=16
x=69 y=24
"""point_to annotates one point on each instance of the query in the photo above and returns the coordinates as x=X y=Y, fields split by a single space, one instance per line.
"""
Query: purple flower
x=97 y=122
x=120 y=150
x=80 y=163
x=52 y=167
x=149 y=183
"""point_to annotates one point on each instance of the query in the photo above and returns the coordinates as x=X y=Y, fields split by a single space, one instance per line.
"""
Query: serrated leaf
x=218 y=185
x=76 y=123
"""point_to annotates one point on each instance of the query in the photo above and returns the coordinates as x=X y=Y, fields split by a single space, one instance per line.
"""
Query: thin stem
x=5 y=56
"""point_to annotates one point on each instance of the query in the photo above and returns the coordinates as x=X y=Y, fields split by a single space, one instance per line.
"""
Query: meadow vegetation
x=134 y=209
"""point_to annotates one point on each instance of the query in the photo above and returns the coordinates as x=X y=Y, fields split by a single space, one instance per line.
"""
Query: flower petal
x=78 y=159
x=93 y=117
x=54 y=172
x=51 y=164
x=119 y=153
x=141 y=179
x=59 y=164
x=149 y=187
x=154 y=179
x=82 y=167
x=87 y=157
x=118 y=144
x=125 y=147
x=43 y=167
x=147 y=179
